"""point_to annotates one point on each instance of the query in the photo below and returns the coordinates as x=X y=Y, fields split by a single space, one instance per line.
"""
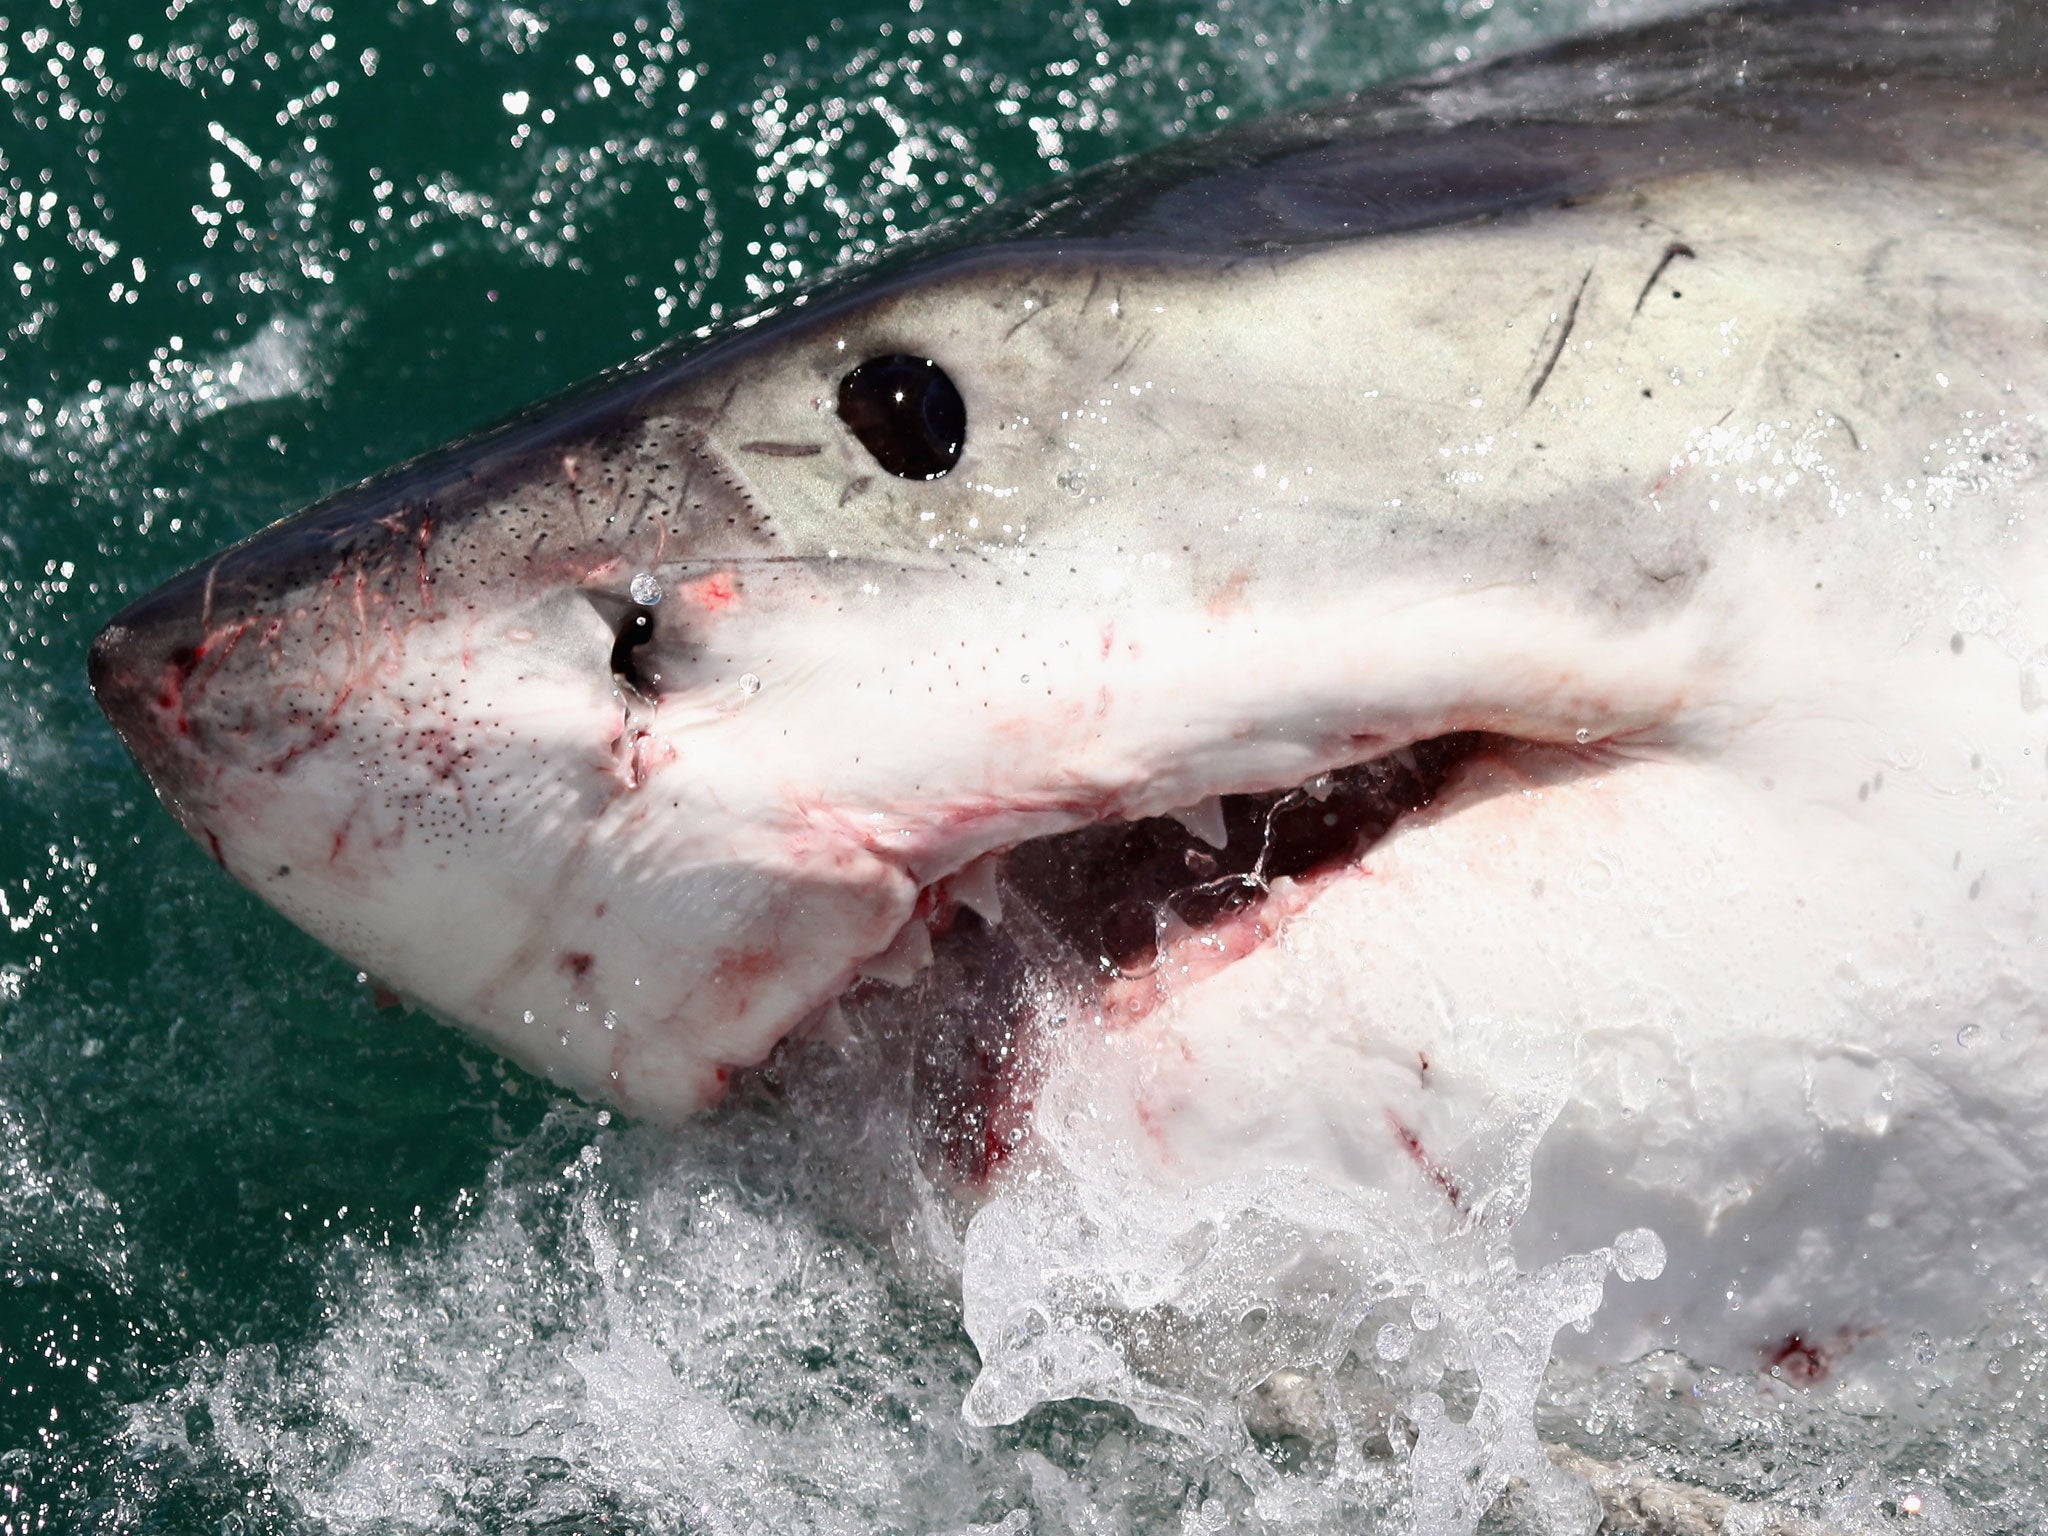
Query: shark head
x=632 y=738
x=1417 y=565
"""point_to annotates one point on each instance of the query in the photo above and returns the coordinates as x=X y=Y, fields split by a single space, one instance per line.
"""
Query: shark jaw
x=1116 y=920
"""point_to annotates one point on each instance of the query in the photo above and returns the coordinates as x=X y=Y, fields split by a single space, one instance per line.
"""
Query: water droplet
x=1639 y=1254
x=1924 y=1350
x=611 y=1019
x=1252 y=1322
x=562 y=1038
x=526 y=1017
x=749 y=684
x=645 y=589
x=1392 y=1342
x=1993 y=1366
x=1582 y=735
x=1424 y=1314
x=1969 y=1035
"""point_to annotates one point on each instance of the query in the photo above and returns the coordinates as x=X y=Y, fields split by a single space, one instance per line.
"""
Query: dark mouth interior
x=1111 y=891
x=1098 y=902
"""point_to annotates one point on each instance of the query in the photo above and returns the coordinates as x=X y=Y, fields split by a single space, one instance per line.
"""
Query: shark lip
x=1111 y=921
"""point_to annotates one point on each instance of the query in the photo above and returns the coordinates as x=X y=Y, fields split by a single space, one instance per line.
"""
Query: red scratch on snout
x=170 y=695
x=715 y=593
x=187 y=670
x=1438 y=1175
x=576 y=964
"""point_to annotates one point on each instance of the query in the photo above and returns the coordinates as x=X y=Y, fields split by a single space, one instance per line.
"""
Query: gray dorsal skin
x=1632 y=450
x=1743 y=84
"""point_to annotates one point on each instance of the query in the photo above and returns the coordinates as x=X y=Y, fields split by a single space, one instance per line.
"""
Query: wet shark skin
x=1693 y=444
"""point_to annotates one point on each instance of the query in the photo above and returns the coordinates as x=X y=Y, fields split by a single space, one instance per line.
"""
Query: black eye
x=906 y=412
x=635 y=630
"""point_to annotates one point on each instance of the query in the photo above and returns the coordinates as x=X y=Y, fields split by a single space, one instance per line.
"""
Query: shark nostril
x=635 y=630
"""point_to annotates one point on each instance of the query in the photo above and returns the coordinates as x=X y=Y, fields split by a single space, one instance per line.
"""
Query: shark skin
x=1614 y=475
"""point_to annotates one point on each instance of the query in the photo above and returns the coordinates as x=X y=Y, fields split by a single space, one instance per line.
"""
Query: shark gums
x=1262 y=643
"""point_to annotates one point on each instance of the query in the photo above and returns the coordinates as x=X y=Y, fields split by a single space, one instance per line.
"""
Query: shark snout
x=141 y=666
x=236 y=667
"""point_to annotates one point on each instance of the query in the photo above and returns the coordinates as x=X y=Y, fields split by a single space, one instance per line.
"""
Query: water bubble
x=1924 y=1350
x=749 y=684
x=1425 y=1314
x=1392 y=1342
x=1582 y=735
x=611 y=1019
x=645 y=589
x=1639 y=1254
x=1969 y=1035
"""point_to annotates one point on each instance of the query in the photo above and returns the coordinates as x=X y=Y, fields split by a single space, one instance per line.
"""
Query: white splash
x=1258 y=1309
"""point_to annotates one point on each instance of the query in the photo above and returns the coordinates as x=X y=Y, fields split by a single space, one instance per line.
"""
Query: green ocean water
x=273 y=1259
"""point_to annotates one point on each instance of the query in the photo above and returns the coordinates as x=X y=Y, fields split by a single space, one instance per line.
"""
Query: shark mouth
x=1105 y=922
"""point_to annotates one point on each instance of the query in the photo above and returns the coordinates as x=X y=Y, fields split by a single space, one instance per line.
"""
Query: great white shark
x=1545 y=562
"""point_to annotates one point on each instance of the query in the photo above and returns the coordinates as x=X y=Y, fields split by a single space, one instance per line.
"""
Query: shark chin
x=1269 y=656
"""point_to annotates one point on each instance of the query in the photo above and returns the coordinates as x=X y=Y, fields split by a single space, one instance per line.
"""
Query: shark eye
x=906 y=413
x=636 y=628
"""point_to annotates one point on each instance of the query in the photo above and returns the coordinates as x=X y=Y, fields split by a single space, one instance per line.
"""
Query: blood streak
x=715 y=592
x=1438 y=1175
x=1797 y=1360
x=738 y=970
